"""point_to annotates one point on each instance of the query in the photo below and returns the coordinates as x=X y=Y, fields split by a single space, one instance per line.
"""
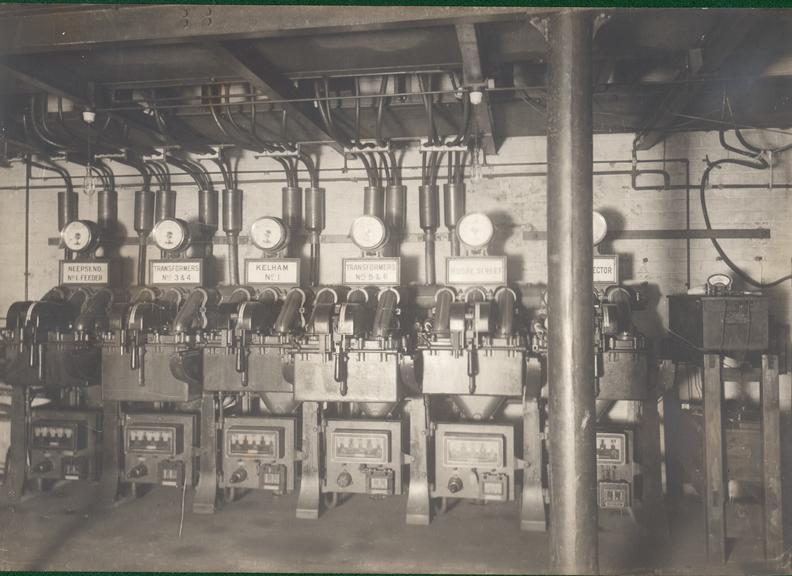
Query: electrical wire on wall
x=757 y=159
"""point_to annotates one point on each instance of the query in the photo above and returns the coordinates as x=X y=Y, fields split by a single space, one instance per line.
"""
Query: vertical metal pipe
x=232 y=226
x=144 y=222
x=429 y=220
x=454 y=209
x=374 y=202
x=314 y=222
x=165 y=204
x=208 y=215
x=292 y=216
x=572 y=417
x=107 y=210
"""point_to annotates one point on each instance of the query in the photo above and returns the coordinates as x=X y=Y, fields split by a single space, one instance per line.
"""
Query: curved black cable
x=703 y=197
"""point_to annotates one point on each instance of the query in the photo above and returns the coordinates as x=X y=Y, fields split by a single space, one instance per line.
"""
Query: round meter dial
x=719 y=282
x=268 y=234
x=171 y=234
x=369 y=232
x=599 y=228
x=79 y=235
x=475 y=230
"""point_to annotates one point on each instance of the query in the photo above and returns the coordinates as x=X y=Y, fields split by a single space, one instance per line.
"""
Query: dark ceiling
x=656 y=70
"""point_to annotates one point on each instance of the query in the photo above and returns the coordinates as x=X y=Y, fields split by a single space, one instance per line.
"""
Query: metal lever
x=339 y=370
x=472 y=369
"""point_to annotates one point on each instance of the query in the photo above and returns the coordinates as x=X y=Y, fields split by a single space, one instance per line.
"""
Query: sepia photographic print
x=427 y=289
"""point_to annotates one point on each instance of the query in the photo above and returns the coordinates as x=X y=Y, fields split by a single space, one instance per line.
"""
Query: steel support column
x=571 y=437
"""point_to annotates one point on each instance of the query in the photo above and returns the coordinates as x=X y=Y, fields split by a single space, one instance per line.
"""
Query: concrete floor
x=61 y=530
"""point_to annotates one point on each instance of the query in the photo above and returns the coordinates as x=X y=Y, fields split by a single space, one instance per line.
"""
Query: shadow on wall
x=505 y=228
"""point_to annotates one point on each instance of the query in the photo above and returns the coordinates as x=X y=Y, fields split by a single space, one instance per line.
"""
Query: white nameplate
x=278 y=271
x=606 y=269
x=371 y=271
x=176 y=272
x=476 y=270
x=84 y=272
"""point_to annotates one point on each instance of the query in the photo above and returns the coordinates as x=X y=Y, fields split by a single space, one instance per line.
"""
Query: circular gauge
x=171 y=234
x=369 y=232
x=599 y=228
x=475 y=230
x=268 y=234
x=79 y=235
x=717 y=282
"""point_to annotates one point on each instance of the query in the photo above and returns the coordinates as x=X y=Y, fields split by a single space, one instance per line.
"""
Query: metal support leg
x=111 y=453
x=309 y=501
x=671 y=435
x=533 y=515
x=653 y=512
x=714 y=471
x=206 y=491
x=14 y=482
x=419 y=504
x=771 y=458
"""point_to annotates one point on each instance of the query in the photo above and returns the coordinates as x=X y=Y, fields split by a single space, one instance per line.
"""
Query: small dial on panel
x=369 y=232
x=599 y=227
x=268 y=234
x=475 y=230
x=171 y=234
x=79 y=235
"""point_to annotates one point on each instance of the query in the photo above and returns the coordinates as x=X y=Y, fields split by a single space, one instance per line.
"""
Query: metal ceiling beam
x=473 y=76
x=718 y=45
x=61 y=83
x=242 y=59
x=103 y=24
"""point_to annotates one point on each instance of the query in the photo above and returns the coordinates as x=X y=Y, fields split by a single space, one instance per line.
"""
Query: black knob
x=344 y=479
x=239 y=475
x=455 y=484
x=138 y=471
x=43 y=467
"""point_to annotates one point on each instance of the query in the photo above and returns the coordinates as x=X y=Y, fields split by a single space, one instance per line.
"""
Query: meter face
x=170 y=234
x=268 y=234
x=599 y=228
x=463 y=450
x=475 y=230
x=152 y=439
x=368 y=447
x=369 y=232
x=264 y=442
x=720 y=280
x=77 y=236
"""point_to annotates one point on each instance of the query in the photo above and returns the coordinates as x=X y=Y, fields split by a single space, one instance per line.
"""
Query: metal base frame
x=16 y=464
x=205 y=501
x=309 y=501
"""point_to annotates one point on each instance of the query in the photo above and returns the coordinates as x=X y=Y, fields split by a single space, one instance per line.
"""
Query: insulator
x=232 y=211
x=428 y=207
x=207 y=208
x=107 y=208
x=292 y=207
x=453 y=204
x=165 y=204
x=144 y=211
x=67 y=208
x=396 y=207
x=314 y=209
x=374 y=202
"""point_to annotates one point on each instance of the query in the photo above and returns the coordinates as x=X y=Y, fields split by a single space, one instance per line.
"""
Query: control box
x=159 y=448
x=259 y=453
x=616 y=470
x=364 y=457
x=714 y=324
x=64 y=444
x=474 y=461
